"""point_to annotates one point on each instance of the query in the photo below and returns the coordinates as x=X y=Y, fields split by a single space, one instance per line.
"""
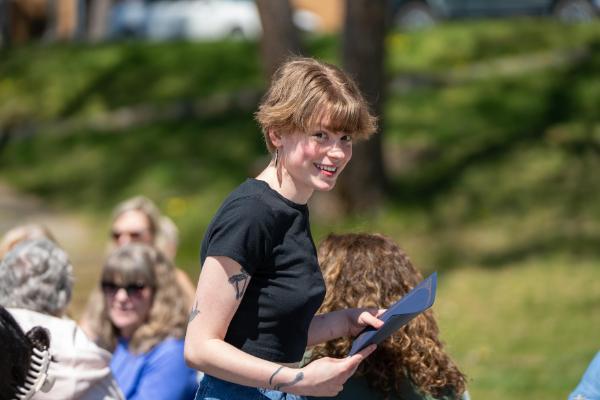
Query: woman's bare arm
x=342 y=323
x=221 y=286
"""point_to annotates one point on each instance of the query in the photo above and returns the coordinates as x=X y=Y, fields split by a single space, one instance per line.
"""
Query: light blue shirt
x=159 y=374
x=589 y=387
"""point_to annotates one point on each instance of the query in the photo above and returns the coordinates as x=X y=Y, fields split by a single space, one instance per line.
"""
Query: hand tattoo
x=195 y=311
x=240 y=281
x=297 y=379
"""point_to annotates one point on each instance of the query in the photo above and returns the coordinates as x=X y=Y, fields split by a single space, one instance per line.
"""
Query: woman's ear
x=275 y=137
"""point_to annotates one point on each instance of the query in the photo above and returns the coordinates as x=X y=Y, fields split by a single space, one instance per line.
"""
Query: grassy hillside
x=492 y=140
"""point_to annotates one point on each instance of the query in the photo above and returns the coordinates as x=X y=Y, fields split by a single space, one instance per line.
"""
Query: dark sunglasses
x=132 y=289
x=134 y=235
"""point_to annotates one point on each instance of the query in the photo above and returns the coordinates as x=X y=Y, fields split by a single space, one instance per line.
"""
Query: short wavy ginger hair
x=304 y=92
x=36 y=275
x=371 y=270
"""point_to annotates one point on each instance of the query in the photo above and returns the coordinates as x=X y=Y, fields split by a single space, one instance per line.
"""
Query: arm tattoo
x=195 y=311
x=297 y=379
x=275 y=373
x=240 y=282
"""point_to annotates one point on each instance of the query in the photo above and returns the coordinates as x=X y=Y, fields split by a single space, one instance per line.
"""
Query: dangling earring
x=276 y=157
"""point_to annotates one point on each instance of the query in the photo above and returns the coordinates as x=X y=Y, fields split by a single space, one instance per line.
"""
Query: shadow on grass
x=168 y=72
x=559 y=104
x=179 y=157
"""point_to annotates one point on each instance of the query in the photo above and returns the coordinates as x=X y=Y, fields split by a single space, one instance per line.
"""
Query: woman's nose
x=337 y=150
x=121 y=294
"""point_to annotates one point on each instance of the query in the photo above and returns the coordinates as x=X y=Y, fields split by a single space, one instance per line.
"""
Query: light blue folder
x=399 y=314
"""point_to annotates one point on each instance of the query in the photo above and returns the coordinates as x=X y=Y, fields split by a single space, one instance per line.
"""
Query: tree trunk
x=280 y=38
x=363 y=183
x=4 y=37
x=98 y=19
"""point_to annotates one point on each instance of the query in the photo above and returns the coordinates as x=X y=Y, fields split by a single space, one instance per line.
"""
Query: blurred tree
x=362 y=186
x=280 y=38
x=98 y=19
x=3 y=22
x=27 y=20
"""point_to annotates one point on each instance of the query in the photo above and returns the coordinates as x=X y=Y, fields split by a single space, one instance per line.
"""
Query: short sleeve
x=242 y=230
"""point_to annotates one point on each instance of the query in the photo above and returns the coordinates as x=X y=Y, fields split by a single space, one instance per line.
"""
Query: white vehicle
x=186 y=19
x=202 y=19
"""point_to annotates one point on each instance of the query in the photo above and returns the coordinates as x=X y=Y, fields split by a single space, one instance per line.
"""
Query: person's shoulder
x=168 y=354
x=249 y=201
x=167 y=347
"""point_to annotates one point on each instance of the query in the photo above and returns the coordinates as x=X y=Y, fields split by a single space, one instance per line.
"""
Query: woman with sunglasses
x=260 y=283
x=141 y=319
x=139 y=220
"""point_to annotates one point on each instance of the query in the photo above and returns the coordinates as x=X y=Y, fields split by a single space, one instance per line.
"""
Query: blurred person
x=168 y=242
x=25 y=359
x=589 y=386
x=20 y=233
x=141 y=320
x=260 y=283
x=371 y=270
x=36 y=282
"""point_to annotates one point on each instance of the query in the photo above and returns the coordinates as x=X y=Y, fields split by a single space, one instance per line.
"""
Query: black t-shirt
x=269 y=236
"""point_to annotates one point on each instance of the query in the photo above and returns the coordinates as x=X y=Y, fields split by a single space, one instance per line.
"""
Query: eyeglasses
x=133 y=235
x=133 y=290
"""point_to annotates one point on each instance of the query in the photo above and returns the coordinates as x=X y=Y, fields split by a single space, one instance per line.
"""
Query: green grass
x=493 y=177
x=523 y=331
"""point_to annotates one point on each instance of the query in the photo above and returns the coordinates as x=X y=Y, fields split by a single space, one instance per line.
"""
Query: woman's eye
x=319 y=135
x=347 y=138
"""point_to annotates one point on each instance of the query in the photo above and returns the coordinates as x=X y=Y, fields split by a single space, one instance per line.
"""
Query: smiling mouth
x=327 y=169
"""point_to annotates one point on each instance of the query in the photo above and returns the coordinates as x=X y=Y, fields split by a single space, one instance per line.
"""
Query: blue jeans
x=212 y=388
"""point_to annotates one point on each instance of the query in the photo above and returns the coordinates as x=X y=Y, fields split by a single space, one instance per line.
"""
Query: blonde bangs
x=128 y=268
x=304 y=93
x=339 y=116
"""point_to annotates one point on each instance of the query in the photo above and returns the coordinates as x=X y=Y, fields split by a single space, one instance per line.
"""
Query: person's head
x=168 y=238
x=141 y=299
x=371 y=270
x=135 y=220
x=36 y=275
x=23 y=232
x=312 y=112
x=24 y=359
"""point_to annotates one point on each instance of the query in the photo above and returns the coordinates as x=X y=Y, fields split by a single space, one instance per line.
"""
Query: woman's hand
x=359 y=318
x=325 y=376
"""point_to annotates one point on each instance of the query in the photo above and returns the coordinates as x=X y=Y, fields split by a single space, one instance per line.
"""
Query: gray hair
x=36 y=275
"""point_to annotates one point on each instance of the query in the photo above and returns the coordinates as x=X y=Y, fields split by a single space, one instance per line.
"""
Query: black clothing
x=269 y=236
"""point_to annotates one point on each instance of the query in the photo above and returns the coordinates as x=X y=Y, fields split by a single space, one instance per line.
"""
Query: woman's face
x=128 y=304
x=132 y=226
x=314 y=160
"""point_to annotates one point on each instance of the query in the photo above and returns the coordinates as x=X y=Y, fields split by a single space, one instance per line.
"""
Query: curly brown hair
x=371 y=270
x=142 y=263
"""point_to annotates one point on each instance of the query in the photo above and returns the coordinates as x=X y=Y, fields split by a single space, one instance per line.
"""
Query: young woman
x=141 y=320
x=412 y=365
x=260 y=283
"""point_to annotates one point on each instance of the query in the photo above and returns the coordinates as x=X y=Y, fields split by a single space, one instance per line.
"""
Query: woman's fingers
x=356 y=359
x=367 y=318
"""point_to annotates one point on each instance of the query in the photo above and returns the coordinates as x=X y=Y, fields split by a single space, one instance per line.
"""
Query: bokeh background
x=488 y=154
